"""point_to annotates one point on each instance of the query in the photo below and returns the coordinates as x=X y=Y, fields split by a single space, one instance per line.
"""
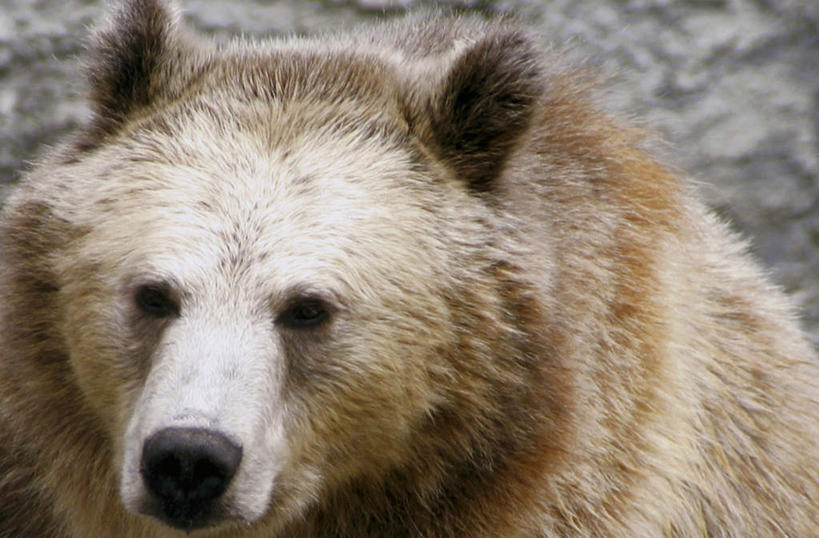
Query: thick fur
x=533 y=328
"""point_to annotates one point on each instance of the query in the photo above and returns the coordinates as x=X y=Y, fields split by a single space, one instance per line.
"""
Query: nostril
x=186 y=469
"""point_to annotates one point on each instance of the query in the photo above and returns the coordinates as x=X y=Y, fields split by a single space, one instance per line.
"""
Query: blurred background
x=732 y=86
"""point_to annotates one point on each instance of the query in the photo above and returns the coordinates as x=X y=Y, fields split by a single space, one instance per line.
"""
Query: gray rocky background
x=731 y=85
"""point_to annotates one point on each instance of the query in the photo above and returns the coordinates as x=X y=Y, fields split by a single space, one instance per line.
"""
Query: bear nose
x=186 y=469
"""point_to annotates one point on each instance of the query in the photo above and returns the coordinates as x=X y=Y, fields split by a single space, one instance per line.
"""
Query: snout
x=186 y=471
x=204 y=441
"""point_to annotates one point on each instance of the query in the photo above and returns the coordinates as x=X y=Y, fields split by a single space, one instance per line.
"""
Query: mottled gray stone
x=732 y=85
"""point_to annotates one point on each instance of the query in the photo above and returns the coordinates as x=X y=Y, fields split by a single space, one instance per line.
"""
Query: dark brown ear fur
x=488 y=98
x=127 y=56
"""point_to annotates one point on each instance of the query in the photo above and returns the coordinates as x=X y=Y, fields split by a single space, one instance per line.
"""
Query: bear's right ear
x=129 y=67
x=485 y=104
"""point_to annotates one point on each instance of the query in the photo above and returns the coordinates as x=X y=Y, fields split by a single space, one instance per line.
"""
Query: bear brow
x=309 y=291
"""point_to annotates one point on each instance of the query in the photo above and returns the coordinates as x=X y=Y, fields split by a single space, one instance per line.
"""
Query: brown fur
x=537 y=330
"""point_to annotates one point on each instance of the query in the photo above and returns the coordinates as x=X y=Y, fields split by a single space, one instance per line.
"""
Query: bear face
x=240 y=267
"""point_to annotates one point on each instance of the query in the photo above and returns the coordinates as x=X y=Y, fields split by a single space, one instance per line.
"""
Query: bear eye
x=304 y=314
x=155 y=301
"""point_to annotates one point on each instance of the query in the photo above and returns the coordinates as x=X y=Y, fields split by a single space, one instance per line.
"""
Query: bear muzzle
x=186 y=471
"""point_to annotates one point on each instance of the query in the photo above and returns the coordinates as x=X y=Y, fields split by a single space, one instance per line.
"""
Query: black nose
x=186 y=469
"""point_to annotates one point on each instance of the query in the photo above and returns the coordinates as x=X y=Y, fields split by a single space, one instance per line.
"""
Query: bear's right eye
x=304 y=314
x=155 y=301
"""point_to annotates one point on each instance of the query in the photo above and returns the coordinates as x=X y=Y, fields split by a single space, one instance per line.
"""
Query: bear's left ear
x=130 y=61
x=486 y=103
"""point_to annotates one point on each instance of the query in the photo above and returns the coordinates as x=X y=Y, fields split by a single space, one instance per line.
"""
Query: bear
x=410 y=280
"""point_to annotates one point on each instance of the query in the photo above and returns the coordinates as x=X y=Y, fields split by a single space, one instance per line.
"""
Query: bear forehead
x=260 y=161
x=211 y=202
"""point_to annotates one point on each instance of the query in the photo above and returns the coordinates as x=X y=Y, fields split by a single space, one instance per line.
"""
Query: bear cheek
x=332 y=393
x=98 y=354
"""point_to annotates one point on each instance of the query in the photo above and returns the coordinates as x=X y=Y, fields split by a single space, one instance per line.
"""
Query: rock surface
x=732 y=85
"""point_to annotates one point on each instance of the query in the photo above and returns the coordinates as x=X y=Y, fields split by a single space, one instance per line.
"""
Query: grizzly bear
x=405 y=281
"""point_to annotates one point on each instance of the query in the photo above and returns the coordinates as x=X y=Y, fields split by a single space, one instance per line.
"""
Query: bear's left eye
x=155 y=301
x=304 y=314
